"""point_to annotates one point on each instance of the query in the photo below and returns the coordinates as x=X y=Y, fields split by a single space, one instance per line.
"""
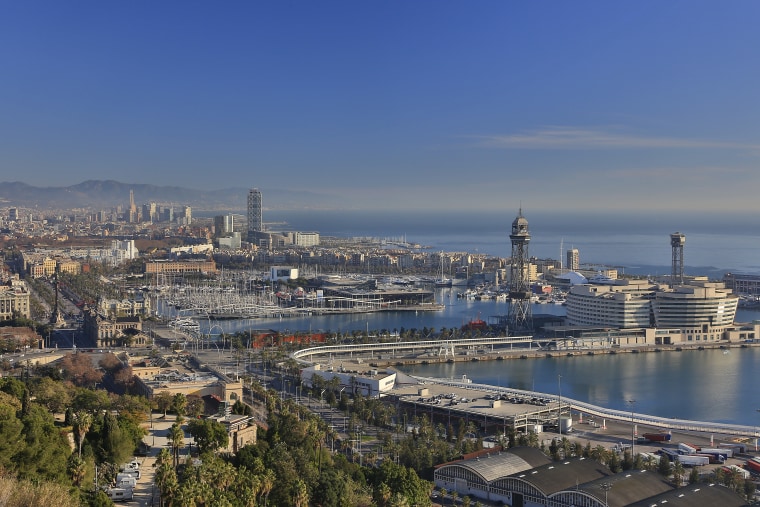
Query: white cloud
x=558 y=137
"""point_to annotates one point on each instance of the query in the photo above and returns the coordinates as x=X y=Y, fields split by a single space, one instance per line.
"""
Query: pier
x=531 y=408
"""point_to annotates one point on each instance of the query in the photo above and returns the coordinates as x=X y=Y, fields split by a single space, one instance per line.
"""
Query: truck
x=715 y=459
x=687 y=448
x=735 y=469
x=693 y=460
x=726 y=453
x=738 y=448
x=657 y=437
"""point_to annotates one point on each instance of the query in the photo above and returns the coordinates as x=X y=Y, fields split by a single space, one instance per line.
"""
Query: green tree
x=194 y=406
x=54 y=395
x=11 y=430
x=45 y=450
x=678 y=472
x=114 y=445
x=163 y=401
x=664 y=467
x=694 y=476
x=76 y=469
x=179 y=403
x=176 y=438
x=209 y=434
x=82 y=423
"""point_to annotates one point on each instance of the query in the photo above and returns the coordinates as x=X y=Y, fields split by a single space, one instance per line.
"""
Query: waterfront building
x=282 y=273
x=573 y=259
x=255 y=219
x=742 y=283
x=306 y=239
x=180 y=267
x=371 y=383
x=698 y=310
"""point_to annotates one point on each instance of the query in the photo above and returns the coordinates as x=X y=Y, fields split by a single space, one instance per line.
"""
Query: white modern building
x=123 y=250
x=698 y=310
x=370 y=383
x=282 y=273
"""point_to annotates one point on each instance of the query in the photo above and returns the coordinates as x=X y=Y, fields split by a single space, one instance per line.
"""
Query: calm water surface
x=707 y=385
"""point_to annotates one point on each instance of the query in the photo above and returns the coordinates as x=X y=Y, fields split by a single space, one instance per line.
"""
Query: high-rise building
x=573 y=259
x=224 y=225
x=132 y=214
x=255 y=224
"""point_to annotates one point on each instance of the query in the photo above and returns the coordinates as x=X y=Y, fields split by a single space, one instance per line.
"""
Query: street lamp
x=606 y=486
x=632 y=403
x=559 y=409
x=359 y=442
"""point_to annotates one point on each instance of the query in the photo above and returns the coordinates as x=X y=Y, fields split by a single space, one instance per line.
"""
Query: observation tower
x=520 y=316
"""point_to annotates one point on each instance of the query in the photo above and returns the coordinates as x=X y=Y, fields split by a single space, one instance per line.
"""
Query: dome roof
x=573 y=277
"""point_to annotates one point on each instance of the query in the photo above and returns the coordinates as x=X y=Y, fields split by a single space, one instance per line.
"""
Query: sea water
x=700 y=385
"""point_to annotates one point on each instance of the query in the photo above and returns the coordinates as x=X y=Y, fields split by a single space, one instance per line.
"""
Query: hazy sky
x=400 y=104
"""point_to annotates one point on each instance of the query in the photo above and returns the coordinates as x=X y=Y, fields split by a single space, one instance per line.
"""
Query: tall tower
x=520 y=317
x=573 y=259
x=677 y=241
x=132 y=208
x=255 y=223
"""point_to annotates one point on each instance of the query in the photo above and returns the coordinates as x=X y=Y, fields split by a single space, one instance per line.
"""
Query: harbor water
x=708 y=385
x=705 y=385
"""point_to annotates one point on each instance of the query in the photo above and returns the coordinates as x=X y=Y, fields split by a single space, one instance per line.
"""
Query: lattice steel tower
x=677 y=241
x=520 y=317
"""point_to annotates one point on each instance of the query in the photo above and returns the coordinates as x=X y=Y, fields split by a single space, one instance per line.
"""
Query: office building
x=255 y=223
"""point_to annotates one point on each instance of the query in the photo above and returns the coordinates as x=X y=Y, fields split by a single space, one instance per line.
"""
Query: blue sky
x=405 y=105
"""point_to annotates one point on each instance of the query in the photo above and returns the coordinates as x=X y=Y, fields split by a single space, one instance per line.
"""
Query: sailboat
x=442 y=280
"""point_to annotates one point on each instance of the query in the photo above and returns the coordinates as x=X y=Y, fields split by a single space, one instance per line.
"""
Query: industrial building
x=524 y=476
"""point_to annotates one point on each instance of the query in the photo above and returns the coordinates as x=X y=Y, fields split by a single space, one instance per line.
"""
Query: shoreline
x=502 y=355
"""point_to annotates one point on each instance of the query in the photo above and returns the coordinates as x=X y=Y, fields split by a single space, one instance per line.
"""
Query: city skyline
x=586 y=106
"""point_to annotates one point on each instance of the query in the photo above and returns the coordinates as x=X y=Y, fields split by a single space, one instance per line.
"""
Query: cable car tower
x=520 y=316
x=677 y=240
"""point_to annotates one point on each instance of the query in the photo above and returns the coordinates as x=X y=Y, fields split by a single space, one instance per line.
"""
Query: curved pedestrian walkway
x=608 y=413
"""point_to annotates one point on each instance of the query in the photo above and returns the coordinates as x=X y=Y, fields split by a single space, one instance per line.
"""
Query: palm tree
x=267 y=483
x=301 y=498
x=76 y=469
x=82 y=424
x=176 y=439
x=678 y=472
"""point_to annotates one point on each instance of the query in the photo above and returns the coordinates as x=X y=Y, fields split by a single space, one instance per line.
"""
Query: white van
x=134 y=473
x=126 y=480
x=117 y=494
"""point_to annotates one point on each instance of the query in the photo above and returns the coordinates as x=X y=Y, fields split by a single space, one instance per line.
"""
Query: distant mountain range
x=96 y=194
